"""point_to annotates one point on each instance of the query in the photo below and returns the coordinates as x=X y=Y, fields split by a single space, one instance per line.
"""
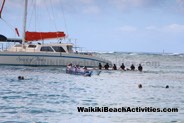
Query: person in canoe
x=78 y=71
x=69 y=68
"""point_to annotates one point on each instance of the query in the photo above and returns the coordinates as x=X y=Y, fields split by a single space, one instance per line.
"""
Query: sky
x=104 y=25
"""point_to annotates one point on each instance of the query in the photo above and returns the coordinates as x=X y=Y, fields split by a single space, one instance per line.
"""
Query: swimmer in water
x=20 y=77
x=167 y=86
x=140 y=85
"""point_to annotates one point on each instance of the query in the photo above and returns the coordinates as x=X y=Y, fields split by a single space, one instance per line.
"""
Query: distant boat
x=28 y=53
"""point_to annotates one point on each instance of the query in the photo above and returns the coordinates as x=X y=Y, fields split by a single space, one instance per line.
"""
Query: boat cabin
x=51 y=48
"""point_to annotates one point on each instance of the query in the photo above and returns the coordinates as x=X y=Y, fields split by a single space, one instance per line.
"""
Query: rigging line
x=2 y=8
x=64 y=20
x=52 y=10
x=35 y=17
x=15 y=30
x=31 y=15
x=50 y=18
x=11 y=27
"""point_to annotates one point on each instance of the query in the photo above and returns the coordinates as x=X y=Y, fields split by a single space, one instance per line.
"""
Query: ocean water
x=49 y=95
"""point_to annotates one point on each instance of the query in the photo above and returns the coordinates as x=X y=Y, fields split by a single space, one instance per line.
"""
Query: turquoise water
x=48 y=95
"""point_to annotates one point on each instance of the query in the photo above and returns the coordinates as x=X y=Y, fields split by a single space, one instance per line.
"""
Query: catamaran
x=27 y=53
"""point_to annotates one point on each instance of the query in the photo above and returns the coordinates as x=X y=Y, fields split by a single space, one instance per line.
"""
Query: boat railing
x=79 y=50
x=83 y=53
x=1 y=46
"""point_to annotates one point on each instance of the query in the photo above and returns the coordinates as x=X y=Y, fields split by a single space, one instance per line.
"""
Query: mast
x=24 y=23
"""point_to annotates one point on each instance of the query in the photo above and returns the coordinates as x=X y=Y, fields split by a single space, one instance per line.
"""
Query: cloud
x=127 y=4
x=70 y=6
x=13 y=4
x=86 y=1
x=43 y=3
x=174 y=28
x=151 y=28
x=91 y=10
x=127 y=28
x=20 y=4
x=88 y=6
x=96 y=6
x=171 y=28
x=180 y=5
x=180 y=2
x=80 y=6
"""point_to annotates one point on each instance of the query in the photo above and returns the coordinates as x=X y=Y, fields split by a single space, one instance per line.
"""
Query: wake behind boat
x=28 y=53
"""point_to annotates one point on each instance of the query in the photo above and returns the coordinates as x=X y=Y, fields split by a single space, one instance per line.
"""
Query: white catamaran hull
x=48 y=59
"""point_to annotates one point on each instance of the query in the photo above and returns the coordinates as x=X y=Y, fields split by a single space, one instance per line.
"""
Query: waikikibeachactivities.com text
x=125 y=109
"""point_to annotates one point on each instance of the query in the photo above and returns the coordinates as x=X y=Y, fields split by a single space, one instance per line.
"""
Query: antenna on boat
x=75 y=44
x=24 y=23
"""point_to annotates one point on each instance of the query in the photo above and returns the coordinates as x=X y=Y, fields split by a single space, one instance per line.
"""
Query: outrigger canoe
x=81 y=71
x=78 y=71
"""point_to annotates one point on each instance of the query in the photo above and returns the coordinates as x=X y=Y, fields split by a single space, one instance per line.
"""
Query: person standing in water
x=122 y=66
x=114 y=67
x=106 y=66
x=132 y=67
x=100 y=66
x=140 y=68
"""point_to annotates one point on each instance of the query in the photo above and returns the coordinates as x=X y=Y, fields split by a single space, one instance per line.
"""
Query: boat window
x=32 y=46
x=58 y=49
x=69 y=48
x=47 y=49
